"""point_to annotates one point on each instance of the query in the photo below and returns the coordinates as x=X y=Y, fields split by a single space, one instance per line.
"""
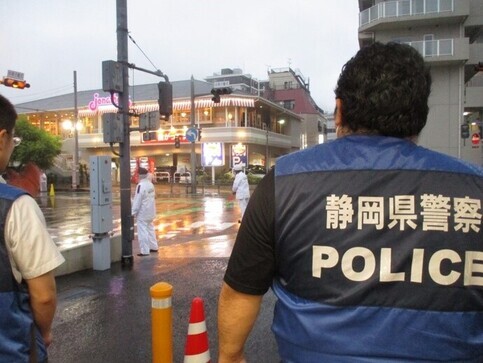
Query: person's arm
x=43 y=301
x=136 y=204
x=236 y=183
x=237 y=313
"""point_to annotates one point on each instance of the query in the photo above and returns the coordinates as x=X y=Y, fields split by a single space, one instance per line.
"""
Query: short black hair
x=8 y=115
x=384 y=89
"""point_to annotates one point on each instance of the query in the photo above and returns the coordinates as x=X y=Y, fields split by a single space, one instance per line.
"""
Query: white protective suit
x=144 y=209
x=242 y=190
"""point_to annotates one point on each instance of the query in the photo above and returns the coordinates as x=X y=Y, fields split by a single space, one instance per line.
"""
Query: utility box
x=112 y=128
x=149 y=121
x=101 y=211
x=101 y=193
x=112 y=76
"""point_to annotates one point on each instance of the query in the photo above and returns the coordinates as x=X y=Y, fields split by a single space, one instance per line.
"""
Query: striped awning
x=177 y=105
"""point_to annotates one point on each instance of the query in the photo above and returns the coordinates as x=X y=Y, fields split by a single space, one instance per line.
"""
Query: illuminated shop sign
x=239 y=154
x=98 y=101
x=167 y=137
x=212 y=154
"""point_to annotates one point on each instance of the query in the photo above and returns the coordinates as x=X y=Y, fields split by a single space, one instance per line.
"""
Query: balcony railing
x=390 y=9
x=433 y=48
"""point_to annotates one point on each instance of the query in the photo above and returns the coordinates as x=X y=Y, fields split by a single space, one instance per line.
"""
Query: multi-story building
x=448 y=33
x=289 y=88
x=286 y=87
x=241 y=128
x=237 y=80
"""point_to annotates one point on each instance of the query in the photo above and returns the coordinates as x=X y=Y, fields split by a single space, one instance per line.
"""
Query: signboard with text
x=212 y=154
x=167 y=137
x=239 y=155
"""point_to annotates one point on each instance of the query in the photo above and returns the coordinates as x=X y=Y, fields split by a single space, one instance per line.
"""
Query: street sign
x=192 y=134
x=15 y=75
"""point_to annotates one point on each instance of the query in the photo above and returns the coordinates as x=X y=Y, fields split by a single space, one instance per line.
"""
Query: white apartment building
x=449 y=35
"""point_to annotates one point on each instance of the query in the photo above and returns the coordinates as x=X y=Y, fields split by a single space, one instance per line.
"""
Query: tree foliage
x=37 y=146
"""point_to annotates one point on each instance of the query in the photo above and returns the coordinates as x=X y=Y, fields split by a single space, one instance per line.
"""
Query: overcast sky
x=48 y=39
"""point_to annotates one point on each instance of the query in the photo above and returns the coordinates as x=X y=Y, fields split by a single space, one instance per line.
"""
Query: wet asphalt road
x=104 y=316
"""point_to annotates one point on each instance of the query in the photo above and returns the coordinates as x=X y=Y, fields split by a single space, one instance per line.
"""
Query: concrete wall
x=80 y=257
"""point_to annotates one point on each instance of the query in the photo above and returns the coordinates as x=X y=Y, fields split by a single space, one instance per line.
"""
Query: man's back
x=372 y=244
x=378 y=243
x=144 y=204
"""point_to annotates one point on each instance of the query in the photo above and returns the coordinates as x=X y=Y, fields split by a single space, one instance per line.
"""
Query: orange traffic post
x=162 y=322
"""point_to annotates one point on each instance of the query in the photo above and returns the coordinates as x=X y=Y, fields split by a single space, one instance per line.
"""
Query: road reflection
x=189 y=225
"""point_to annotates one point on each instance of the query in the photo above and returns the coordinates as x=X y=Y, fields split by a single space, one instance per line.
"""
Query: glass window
x=418 y=6
x=390 y=8
x=446 y=47
x=446 y=5
x=404 y=8
x=432 y=6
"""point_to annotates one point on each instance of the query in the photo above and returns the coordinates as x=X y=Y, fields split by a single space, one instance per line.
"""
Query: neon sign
x=98 y=101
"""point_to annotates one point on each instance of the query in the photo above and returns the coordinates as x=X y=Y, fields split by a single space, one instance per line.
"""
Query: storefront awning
x=177 y=105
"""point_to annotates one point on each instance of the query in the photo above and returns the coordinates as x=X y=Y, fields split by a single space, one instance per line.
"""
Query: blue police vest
x=18 y=334
x=379 y=254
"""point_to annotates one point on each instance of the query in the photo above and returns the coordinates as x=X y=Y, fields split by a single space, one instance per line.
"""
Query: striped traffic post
x=162 y=322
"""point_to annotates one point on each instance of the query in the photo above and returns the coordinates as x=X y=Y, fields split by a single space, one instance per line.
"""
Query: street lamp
x=281 y=123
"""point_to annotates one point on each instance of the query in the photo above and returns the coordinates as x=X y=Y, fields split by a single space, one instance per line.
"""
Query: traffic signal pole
x=193 y=144
x=127 y=226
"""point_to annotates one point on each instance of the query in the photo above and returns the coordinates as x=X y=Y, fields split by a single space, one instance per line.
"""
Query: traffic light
x=176 y=142
x=15 y=83
x=217 y=92
x=465 y=131
x=165 y=99
x=199 y=134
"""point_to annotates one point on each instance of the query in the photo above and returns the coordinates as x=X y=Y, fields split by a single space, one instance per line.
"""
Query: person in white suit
x=144 y=209
x=241 y=189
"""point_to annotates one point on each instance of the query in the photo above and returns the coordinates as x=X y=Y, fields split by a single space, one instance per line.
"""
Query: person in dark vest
x=28 y=257
x=372 y=244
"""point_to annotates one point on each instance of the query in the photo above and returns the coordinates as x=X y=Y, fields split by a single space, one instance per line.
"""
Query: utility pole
x=75 y=171
x=193 y=144
x=127 y=227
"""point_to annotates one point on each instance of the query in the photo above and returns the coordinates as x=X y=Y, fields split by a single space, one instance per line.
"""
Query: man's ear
x=4 y=138
x=338 y=112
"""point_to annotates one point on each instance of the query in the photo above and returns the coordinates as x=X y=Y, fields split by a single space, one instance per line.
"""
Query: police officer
x=372 y=244
x=241 y=189
x=144 y=209
x=28 y=257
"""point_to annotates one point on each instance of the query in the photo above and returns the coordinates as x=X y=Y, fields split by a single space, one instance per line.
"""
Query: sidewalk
x=104 y=316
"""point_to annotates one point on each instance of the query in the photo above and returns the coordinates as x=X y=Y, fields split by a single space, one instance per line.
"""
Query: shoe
x=153 y=250
x=143 y=254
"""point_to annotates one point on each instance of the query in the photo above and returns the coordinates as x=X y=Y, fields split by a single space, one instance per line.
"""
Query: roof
x=144 y=92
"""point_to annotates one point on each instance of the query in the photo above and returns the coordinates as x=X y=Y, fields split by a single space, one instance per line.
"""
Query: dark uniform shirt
x=371 y=241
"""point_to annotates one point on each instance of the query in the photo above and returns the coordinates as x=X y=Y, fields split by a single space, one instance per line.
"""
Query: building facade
x=290 y=89
x=285 y=87
x=241 y=128
x=448 y=33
